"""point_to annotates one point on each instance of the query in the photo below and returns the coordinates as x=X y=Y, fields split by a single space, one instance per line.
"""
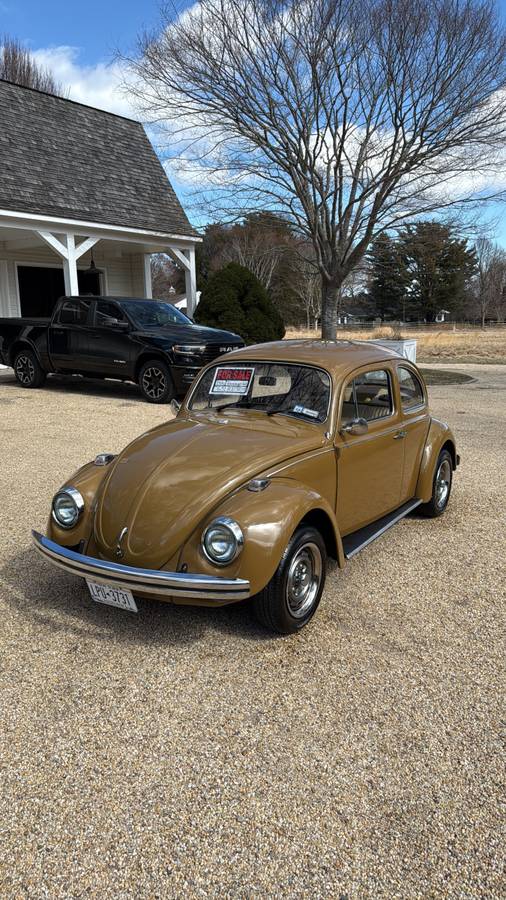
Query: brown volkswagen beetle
x=281 y=456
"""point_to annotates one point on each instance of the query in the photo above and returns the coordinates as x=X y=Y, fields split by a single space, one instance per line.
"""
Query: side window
x=368 y=396
x=74 y=312
x=105 y=310
x=411 y=390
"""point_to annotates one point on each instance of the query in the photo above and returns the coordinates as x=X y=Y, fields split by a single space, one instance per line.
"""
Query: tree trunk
x=330 y=297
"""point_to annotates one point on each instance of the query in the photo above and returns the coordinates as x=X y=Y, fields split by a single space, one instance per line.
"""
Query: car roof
x=337 y=357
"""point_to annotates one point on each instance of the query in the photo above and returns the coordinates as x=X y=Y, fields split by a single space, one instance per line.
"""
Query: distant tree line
x=411 y=275
x=18 y=65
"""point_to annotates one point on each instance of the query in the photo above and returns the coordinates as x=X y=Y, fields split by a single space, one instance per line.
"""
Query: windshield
x=154 y=314
x=272 y=388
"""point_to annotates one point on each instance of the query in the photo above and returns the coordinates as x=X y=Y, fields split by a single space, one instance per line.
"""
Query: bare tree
x=348 y=116
x=307 y=284
x=18 y=65
x=490 y=282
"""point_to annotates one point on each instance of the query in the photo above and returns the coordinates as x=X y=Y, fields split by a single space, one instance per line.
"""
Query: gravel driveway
x=186 y=753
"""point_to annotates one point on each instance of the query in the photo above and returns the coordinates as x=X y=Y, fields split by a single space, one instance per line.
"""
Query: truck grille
x=214 y=350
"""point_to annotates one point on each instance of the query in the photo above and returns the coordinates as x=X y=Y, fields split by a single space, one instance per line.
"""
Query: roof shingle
x=64 y=159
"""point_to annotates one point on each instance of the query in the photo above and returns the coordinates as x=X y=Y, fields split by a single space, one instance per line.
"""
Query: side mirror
x=175 y=406
x=357 y=426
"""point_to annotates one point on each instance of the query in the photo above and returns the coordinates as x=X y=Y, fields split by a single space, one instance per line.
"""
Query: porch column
x=190 y=276
x=69 y=253
x=148 y=286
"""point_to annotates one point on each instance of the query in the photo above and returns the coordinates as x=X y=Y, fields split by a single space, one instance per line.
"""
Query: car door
x=415 y=425
x=67 y=338
x=110 y=347
x=370 y=465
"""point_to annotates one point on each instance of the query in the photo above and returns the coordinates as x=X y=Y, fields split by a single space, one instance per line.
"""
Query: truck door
x=67 y=337
x=110 y=349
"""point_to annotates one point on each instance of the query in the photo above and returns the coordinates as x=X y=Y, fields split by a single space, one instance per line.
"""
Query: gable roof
x=61 y=158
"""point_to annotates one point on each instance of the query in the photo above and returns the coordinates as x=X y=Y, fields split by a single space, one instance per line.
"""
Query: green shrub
x=234 y=299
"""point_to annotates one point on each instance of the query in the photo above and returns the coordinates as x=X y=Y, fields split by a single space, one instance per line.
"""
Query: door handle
x=399 y=435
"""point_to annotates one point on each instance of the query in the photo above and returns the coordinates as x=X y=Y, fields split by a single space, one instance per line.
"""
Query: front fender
x=88 y=480
x=438 y=435
x=268 y=520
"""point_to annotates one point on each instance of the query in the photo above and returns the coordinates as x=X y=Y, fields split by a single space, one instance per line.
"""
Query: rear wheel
x=28 y=371
x=155 y=382
x=441 y=487
x=292 y=596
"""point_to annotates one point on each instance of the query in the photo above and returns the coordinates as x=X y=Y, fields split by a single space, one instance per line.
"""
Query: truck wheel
x=292 y=596
x=441 y=487
x=155 y=382
x=28 y=371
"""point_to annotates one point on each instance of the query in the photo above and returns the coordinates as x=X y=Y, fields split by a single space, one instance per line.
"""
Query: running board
x=355 y=542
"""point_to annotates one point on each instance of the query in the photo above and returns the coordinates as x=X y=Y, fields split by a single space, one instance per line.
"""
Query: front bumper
x=145 y=581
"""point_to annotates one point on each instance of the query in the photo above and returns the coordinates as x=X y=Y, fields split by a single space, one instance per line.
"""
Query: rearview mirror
x=357 y=426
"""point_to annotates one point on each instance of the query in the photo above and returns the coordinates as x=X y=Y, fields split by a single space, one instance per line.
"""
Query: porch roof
x=61 y=160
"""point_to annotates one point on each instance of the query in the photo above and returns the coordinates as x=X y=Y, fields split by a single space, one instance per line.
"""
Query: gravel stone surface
x=187 y=753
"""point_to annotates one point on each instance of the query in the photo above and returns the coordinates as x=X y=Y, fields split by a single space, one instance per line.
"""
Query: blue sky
x=77 y=41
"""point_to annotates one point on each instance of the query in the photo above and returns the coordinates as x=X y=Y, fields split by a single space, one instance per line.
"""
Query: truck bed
x=20 y=322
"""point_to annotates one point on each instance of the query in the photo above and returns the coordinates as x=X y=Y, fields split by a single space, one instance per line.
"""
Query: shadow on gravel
x=52 y=599
x=73 y=384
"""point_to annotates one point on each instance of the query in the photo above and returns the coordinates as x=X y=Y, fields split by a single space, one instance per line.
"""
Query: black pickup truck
x=146 y=341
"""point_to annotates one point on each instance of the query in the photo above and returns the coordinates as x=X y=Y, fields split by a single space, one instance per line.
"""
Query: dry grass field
x=470 y=345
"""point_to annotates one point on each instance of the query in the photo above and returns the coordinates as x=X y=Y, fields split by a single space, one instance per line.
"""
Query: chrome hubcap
x=443 y=483
x=303 y=581
x=25 y=369
x=154 y=383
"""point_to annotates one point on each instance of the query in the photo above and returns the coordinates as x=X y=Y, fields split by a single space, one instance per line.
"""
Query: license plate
x=112 y=596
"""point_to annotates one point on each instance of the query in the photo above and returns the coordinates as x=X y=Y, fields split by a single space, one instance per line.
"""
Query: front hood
x=168 y=480
x=191 y=334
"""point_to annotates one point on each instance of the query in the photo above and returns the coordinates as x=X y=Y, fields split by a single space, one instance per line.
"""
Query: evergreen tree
x=440 y=268
x=389 y=278
x=234 y=299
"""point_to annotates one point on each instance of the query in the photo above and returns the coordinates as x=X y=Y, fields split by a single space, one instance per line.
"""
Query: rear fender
x=268 y=519
x=439 y=435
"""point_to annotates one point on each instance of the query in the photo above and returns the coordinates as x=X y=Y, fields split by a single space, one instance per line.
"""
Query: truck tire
x=292 y=596
x=155 y=382
x=27 y=369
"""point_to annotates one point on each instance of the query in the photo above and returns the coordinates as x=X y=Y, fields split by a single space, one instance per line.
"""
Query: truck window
x=74 y=312
x=106 y=310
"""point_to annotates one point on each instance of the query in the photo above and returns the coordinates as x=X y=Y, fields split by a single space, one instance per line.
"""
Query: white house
x=84 y=201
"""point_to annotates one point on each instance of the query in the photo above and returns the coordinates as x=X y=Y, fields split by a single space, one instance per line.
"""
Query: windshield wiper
x=244 y=405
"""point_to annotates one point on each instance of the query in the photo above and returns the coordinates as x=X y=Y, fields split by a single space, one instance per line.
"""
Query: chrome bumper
x=148 y=581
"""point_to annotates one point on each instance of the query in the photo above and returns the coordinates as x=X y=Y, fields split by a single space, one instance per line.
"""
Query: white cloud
x=98 y=85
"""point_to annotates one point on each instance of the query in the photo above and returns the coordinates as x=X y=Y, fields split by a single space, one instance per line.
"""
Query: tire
x=441 y=487
x=155 y=382
x=27 y=369
x=281 y=606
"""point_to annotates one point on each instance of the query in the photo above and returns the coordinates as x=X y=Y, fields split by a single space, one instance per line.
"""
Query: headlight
x=67 y=507
x=222 y=541
x=189 y=349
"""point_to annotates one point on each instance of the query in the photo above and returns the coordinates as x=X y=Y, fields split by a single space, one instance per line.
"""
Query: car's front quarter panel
x=439 y=434
x=87 y=480
x=268 y=518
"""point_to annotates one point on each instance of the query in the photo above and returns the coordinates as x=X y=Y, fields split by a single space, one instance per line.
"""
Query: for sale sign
x=232 y=380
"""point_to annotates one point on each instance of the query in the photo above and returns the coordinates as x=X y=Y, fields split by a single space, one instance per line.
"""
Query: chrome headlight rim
x=78 y=502
x=235 y=531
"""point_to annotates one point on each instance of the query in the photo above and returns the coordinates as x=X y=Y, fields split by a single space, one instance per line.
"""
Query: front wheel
x=441 y=487
x=28 y=371
x=292 y=596
x=155 y=382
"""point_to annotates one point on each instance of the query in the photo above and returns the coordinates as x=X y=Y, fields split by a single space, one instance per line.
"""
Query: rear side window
x=74 y=312
x=411 y=389
x=368 y=396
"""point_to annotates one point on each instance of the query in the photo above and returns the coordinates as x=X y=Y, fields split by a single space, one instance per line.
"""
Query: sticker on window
x=231 y=380
x=303 y=410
